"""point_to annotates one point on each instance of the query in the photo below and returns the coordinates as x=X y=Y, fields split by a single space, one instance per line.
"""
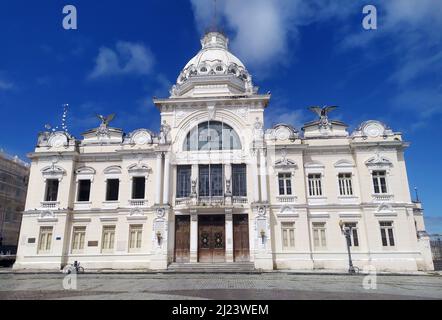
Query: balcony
x=50 y=205
x=211 y=201
x=137 y=203
x=240 y=200
x=286 y=199
x=183 y=201
x=382 y=197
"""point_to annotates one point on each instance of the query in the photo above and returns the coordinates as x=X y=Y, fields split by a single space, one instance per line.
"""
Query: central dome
x=214 y=64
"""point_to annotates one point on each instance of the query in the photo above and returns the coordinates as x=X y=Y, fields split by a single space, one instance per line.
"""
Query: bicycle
x=73 y=268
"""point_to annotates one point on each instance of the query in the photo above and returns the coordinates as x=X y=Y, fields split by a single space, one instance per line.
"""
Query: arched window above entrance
x=212 y=135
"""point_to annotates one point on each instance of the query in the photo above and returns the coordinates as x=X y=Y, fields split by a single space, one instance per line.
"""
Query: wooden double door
x=211 y=238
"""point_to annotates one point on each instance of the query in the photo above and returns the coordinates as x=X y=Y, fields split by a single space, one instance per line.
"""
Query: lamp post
x=346 y=231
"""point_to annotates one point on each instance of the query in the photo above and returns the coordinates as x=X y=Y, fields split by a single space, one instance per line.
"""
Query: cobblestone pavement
x=217 y=286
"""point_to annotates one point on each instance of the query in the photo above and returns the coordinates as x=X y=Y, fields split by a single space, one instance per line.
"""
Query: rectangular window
x=379 y=182
x=108 y=239
x=211 y=180
x=135 y=237
x=78 y=238
x=345 y=184
x=319 y=238
x=314 y=185
x=288 y=235
x=354 y=238
x=387 y=235
x=285 y=184
x=45 y=239
x=51 y=190
x=112 y=189
x=84 y=190
x=239 y=180
x=183 y=181
x=139 y=188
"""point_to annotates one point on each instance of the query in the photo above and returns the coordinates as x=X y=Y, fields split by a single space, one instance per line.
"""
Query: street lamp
x=346 y=231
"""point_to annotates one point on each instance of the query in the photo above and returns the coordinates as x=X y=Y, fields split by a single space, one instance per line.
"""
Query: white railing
x=137 y=203
x=286 y=199
x=382 y=197
x=50 y=204
x=211 y=201
x=182 y=201
x=239 y=200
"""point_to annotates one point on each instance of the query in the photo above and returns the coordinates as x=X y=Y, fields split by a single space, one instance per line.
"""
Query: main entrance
x=211 y=238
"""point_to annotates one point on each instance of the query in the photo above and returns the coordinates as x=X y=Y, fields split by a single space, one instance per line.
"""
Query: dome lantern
x=214 y=67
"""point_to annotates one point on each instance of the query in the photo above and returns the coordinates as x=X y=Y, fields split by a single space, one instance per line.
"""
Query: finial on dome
x=215 y=39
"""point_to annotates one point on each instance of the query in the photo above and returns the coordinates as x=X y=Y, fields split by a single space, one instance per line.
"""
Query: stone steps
x=240 y=267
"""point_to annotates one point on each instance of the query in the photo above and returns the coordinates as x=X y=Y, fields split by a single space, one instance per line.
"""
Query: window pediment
x=139 y=169
x=53 y=172
x=112 y=170
x=314 y=165
x=378 y=161
x=344 y=164
x=85 y=173
x=285 y=163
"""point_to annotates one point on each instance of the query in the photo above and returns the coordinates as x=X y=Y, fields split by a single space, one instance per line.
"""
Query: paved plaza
x=267 y=286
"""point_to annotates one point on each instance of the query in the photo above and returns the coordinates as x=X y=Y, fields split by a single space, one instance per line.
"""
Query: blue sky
x=305 y=52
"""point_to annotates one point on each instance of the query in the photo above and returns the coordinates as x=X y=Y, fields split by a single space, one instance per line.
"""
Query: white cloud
x=5 y=84
x=127 y=59
x=262 y=29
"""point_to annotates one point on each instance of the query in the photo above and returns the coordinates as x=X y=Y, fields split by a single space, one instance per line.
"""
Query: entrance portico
x=211 y=238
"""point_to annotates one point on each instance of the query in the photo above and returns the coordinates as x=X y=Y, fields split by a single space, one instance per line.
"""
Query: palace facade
x=215 y=187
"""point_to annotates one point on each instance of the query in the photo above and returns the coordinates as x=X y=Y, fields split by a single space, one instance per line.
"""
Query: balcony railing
x=286 y=199
x=239 y=200
x=50 y=204
x=210 y=201
x=138 y=202
x=382 y=197
x=183 y=201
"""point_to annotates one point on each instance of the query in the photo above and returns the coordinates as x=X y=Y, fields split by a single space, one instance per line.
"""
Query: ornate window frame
x=345 y=166
x=315 y=167
x=380 y=163
x=285 y=165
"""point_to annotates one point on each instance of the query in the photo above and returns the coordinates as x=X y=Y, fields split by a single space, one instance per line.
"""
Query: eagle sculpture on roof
x=105 y=120
x=322 y=113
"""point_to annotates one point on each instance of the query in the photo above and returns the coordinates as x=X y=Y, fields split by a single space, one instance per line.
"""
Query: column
x=229 y=235
x=193 y=236
x=263 y=175
x=194 y=184
x=254 y=171
x=158 y=174
x=228 y=176
x=166 y=184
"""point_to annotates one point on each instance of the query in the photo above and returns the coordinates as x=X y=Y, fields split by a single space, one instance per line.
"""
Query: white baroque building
x=215 y=187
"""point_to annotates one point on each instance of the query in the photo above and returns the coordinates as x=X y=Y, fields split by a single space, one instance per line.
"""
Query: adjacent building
x=215 y=187
x=13 y=184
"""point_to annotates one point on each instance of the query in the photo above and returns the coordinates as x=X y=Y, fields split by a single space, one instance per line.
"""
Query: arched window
x=212 y=135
